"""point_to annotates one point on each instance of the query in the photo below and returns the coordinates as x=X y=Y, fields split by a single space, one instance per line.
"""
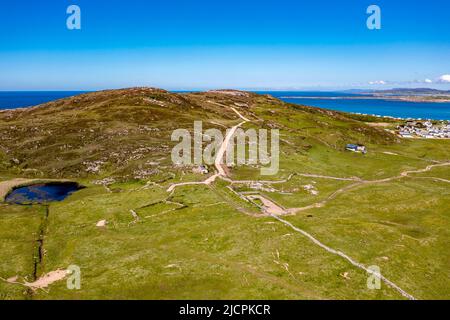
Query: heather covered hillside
x=124 y=133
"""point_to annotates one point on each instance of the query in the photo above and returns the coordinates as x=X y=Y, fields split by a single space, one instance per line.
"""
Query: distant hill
x=411 y=91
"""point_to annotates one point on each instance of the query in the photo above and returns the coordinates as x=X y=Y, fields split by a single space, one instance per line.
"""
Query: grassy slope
x=206 y=251
x=208 y=248
x=18 y=246
x=401 y=226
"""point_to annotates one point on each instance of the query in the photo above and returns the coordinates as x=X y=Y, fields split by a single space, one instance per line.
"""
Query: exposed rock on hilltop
x=125 y=132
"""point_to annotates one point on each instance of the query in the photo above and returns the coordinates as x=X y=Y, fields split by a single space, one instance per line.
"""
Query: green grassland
x=402 y=226
x=205 y=251
x=206 y=242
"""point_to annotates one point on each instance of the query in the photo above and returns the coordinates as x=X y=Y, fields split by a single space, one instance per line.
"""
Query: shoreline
x=414 y=99
x=360 y=113
x=361 y=97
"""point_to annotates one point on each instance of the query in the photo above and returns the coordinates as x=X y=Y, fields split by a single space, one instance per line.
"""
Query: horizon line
x=318 y=89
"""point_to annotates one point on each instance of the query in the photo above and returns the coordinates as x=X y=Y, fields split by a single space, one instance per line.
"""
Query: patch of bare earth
x=41 y=283
x=47 y=279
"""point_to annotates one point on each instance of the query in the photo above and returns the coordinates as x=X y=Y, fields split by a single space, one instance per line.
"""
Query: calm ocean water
x=401 y=109
x=398 y=109
x=19 y=99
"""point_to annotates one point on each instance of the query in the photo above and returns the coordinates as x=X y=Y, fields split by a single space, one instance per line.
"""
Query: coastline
x=282 y=95
x=396 y=98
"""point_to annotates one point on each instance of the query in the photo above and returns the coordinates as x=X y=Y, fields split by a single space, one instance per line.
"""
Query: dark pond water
x=41 y=193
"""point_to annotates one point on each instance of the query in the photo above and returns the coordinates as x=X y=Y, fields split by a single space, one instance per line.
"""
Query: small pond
x=42 y=193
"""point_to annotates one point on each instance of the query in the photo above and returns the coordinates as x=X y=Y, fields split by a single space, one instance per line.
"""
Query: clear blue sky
x=248 y=44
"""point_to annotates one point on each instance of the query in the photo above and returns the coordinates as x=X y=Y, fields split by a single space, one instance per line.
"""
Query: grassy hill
x=119 y=132
x=387 y=208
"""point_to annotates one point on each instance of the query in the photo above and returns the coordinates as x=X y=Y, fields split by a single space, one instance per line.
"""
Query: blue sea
x=337 y=101
x=21 y=99
x=327 y=100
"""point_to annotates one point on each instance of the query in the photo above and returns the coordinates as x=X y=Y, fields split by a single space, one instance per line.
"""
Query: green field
x=206 y=242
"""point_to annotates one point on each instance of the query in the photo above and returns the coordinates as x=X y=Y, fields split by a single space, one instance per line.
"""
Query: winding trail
x=218 y=162
x=428 y=168
x=346 y=257
x=275 y=211
x=220 y=154
x=360 y=182
x=328 y=177
x=346 y=188
x=239 y=114
x=259 y=181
